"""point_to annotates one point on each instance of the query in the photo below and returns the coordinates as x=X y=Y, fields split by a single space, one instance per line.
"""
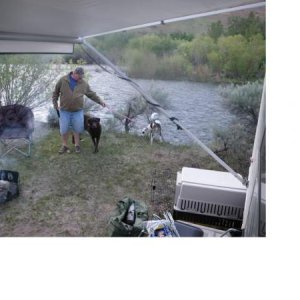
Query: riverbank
x=75 y=195
x=198 y=106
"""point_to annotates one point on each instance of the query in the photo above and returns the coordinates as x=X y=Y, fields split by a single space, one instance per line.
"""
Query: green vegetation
x=75 y=195
x=234 y=144
x=27 y=79
x=231 y=51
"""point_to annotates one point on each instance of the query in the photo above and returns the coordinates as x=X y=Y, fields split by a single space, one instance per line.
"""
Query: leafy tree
x=215 y=30
x=199 y=49
x=185 y=36
x=255 y=57
x=247 y=27
x=232 y=51
x=160 y=45
x=215 y=61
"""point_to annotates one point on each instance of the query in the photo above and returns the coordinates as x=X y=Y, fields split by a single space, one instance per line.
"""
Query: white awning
x=7 y=46
x=69 y=20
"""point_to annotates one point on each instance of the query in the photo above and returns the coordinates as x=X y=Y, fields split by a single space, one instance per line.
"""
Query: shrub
x=159 y=45
x=141 y=64
x=27 y=79
x=234 y=145
x=174 y=67
x=202 y=73
x=199 y=49
x=244 y=101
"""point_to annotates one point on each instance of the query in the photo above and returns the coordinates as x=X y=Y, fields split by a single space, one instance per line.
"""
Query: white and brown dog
x=153 y=129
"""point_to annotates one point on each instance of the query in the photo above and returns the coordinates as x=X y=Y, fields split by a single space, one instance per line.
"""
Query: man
x=71 y=90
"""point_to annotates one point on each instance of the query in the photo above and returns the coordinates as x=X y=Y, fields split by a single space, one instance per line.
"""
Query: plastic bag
x=161 y=227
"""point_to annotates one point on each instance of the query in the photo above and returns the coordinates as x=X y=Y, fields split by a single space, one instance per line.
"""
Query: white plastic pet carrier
x=210 y=197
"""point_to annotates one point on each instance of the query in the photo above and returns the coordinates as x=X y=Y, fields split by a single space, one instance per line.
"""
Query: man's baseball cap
x=79 y=71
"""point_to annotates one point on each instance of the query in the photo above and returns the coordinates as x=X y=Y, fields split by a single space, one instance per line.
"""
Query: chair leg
x=12 y=147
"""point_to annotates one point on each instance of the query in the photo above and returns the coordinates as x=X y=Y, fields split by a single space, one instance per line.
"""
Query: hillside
x=199 y=26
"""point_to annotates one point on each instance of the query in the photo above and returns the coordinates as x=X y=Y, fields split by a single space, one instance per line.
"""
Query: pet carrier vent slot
x=211 y=209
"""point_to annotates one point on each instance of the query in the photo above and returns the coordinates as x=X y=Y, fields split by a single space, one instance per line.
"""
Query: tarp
x=68 y=20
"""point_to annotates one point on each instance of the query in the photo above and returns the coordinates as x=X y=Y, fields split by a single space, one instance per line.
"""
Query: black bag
x=9 y=185
x=122 y=224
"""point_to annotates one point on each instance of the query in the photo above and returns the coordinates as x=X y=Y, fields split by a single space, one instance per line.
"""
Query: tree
x=215 y=30
x=232 y=51
x=247 y=27
x=199 y=49
x=159 y=45
x=27 y=79
x=178 y=35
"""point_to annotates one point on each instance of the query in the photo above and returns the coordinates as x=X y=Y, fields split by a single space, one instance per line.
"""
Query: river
x=198 y=106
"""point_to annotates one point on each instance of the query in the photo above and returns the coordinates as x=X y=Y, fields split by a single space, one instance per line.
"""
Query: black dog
x=93 y=127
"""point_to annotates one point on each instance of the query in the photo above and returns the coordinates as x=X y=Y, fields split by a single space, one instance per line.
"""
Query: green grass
x=76 y=194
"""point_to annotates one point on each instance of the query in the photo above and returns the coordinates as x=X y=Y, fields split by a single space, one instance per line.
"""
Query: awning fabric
x=68 y=20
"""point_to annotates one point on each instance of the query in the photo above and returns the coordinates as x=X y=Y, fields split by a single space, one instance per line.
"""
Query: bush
x=202 y=73
x=159 y=45
x=173 y=67
x=232 y=51
x=199 y=49
x=141 y=65
x=247 y=27
x=215 y=30
x=244 y=101
x=234 y=145
x=27 y=79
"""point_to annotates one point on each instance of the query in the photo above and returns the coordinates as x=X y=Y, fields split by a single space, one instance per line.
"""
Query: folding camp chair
x=16 y=128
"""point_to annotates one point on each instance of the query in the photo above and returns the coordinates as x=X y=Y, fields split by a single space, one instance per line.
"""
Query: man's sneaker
x=77 y=149
x=64 y=149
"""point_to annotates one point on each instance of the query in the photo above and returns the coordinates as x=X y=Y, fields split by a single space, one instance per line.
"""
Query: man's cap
x=79 y=70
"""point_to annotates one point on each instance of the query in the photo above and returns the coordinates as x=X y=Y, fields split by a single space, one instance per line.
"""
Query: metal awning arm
x=93 y=52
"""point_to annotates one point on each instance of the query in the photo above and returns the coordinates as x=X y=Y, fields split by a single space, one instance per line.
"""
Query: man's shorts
x=71 y=121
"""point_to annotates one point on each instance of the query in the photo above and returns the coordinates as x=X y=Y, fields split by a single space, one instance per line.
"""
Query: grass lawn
x=76 y=194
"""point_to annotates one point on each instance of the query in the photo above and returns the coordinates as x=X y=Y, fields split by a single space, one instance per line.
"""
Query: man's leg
x=64 y=139
x=64 y=123
x=76 y=138
x=77 y=122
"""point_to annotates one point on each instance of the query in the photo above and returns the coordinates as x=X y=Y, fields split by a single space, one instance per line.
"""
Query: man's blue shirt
x=73 y=83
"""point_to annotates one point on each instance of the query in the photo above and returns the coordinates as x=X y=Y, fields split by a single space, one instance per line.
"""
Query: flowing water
x=198 y=106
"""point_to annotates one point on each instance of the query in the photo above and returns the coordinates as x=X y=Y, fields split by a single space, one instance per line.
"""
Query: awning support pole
x=92 y=51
